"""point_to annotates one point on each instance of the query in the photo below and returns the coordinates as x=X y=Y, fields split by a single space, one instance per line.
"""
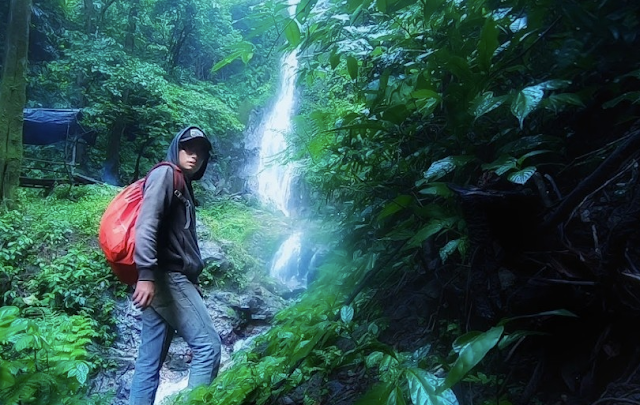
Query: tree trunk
x=13 y=97
x=130 y=38
x=89 y=17
x=111 y=172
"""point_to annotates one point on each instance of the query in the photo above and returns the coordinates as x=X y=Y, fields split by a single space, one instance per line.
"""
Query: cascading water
x=286 y=263
x=274 y=179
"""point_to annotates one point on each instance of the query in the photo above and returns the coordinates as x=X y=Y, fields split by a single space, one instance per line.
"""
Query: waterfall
x=286 y=265
x=274 y=179
x=275 y=176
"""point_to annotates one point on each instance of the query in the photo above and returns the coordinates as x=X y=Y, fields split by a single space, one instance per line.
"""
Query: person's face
x=191 y=156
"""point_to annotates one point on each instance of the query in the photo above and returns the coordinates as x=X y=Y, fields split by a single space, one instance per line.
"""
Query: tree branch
x=593 y=181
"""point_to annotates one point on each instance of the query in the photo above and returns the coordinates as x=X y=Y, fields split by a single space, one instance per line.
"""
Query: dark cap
x=193 y=134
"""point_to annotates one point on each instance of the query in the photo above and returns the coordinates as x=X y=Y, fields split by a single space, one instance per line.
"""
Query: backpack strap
x=179 y=185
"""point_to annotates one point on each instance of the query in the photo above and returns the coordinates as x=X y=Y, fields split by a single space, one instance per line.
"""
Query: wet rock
x=212 y=253
x=238 y=318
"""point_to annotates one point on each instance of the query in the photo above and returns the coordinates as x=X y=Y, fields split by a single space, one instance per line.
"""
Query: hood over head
x=187 y=134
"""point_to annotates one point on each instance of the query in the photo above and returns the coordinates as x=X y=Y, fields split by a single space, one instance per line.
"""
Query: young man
x=168 y=261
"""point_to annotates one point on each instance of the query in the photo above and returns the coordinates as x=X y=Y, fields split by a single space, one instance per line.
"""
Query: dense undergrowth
x=453 y=144
x=58 y=295
x=450 y=146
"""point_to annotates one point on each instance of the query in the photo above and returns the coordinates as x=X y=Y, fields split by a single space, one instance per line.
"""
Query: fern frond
x=28 y=388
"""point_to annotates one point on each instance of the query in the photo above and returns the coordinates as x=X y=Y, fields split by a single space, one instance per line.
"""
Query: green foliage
x=471 y=348
x=232 y=221
x=246 y=235
x=76 y=210
x=438 y=86
x=123 y=86
x=143 y=72
x=400 y=99
x=57 y=296
x=303 y=343
x=49 y=259
x=44 y=358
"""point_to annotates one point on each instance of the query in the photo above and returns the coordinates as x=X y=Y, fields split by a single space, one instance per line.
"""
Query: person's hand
x=143 y=295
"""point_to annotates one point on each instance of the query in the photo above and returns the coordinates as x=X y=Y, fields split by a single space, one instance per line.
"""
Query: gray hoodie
x=166 y=226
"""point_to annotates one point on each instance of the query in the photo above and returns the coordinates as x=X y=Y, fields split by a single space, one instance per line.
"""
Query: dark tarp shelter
x=43 y=126
x=61 y=127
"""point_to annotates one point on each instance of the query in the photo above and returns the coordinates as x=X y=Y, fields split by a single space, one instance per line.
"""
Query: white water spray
x=286 y=263
x=274 y=179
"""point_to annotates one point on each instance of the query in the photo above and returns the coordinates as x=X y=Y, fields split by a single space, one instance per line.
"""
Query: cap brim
x=198 y=139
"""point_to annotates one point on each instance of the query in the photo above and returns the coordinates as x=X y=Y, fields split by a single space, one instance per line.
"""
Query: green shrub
x=49 y=258
x=248 y=236
x=44 y=357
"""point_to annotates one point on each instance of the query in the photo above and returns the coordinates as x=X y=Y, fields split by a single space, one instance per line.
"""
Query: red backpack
x=117 y=226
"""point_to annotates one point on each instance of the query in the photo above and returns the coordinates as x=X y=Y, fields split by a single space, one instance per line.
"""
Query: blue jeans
x=176 y=306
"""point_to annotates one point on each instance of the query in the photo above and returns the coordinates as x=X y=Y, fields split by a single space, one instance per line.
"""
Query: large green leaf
x=334 y=58
x=6 y=377
x=373 y=359
x=511 y=338
x=554 y=84
x=526 y=101
x=364 y=4
x=391 y=6
x=555 y=312
x=243 y=51
x=422 y=389
x=460 y=68
x=488 y=44
x=462 y=341
x=437 y=189
x=304 y=8
x=448 y=249
x=8 y=314
x=399 y=203
x=470 y=355
x=352 y=67
x=396 y=114
x=429 y=8
x=444 y=166
x=633 y=96
x=388 y=362
x=80 y=371
x=529 y=98
x=9 y=323
x=526 y=156
x=425 y=93
x=396 y=397
x=427 y=231
x=522 y=176
x=486 y=102
x=440 y=168
x=353 y=5
x=346 y=314
x=292 y=32
x=501 y=165
x=303 y=349
x=25 y=341
x=381 y=5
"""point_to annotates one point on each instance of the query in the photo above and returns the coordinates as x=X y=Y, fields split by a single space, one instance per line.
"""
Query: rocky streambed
x=237 y=318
